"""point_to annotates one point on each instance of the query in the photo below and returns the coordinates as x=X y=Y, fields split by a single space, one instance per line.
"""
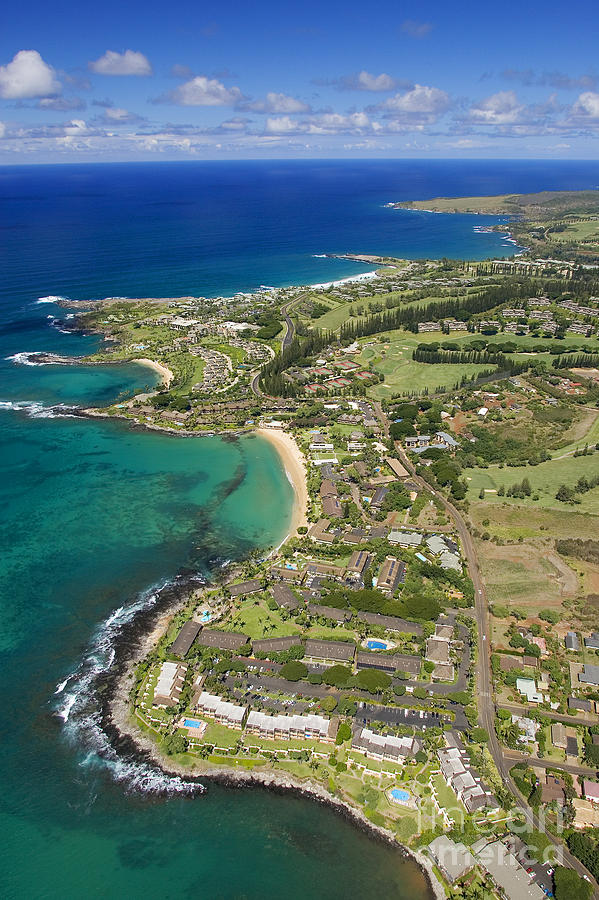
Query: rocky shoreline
x=120 y=725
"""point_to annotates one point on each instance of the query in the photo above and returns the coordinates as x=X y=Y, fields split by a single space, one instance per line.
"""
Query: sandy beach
x=295 y=467
x=166 y=374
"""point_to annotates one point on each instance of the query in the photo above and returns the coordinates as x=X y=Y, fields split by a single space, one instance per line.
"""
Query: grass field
x=513 y=521
x=255 y=619
x=584 y=230
x=545 y=479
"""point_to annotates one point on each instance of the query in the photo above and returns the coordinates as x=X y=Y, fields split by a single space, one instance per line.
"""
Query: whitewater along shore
x=122 y=727
x=295 y=469
x=42 y=358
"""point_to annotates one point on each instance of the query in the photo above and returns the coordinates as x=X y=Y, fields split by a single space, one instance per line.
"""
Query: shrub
x=293 y=670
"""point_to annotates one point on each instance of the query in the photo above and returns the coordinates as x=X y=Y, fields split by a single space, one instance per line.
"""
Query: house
x=437 y=650
x=450 y=560
x=463 y=780
x=328 y=488
x=586 y=814
x=571 y=641
x=405 y=538
x=223 y=640
x=329 y=653
x=453 y=860
x=572 y=746
x=378 y=497
x=553 y=790
x=540 y=643
x=284 y=597
x=396 y=467
x=384 y=746
x=331 y=507
x=436 y=544
x=390 y=663
x=590 y=790
x=245 y=588
x=558 y=735
x=528 y=687
x=185 y=638
x=580 y=704
x=444 y=632
x=589 y=674
x=276 y=645
x=592 y=642
x=311 y=727
x=170 y=684
x=391 y=574
x=229 y=714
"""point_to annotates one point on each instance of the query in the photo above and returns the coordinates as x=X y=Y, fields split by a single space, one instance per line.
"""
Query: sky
x=328 y=79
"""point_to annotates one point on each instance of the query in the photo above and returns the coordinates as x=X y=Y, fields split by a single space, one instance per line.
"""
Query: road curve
x=486 y=705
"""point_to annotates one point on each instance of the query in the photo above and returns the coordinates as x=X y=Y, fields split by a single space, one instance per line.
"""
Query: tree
x=293 y=670
x=479 y=735
x=174 y=743
x=337 y=676
x=343 y=733
x=569 y=885
x=373 y=681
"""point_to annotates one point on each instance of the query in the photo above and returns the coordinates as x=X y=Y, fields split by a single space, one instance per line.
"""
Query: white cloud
x=26 y=76
x=75 y=128
x=279 y=104
x=327 y=123
x=366 y=81
x=416 y=29
x=501 y=108
x=2 y=129
x=282 y=125
x=587 y=105
x=203 y=91
x=421 y=103
x=130 y=62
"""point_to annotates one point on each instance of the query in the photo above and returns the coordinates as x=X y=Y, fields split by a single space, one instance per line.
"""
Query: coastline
x=295 y=469
x=165 y=373
x=117 y=715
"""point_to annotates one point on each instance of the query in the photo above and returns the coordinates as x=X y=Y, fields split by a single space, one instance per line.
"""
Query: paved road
x=572 y=768
x=522 y=710
x=285 y=343
x=486 y=705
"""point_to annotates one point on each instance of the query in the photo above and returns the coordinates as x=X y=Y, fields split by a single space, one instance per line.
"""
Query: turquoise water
x=376 y=645
x=102 y=523
x=400 y=795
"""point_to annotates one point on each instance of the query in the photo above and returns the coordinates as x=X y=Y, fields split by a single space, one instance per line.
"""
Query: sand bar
x=163 y=371
x=295 y=467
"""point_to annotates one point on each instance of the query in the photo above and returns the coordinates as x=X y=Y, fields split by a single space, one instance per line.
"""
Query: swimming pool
x=192 y=723
x=205 y=617
x=399 y=795
x=376 y=645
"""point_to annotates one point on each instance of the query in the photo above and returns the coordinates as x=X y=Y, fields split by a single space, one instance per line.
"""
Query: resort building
x=276 y=645
x=453 y=860
x=229 y=714
x=391 y=623
x=185 y=638
x=391 y=574
x=358 y=562
x=316 y=728
x=390 y=663
x=245 y=588
x=437 y=650
x=329 y=653
x=463 y=780
x=223 y=640
x=405 y=538
x=284 y=597
x=384 y=746
x=329 y=612
x=170 y=684
x=511 y=878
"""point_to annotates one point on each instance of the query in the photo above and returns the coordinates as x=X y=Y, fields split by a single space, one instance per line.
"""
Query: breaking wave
x=37 y=410
x=77 y=703
x=25 y=358
x=50 y=299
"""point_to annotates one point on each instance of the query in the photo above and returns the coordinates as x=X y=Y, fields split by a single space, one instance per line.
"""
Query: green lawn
x=545 y=479
x=255 y=619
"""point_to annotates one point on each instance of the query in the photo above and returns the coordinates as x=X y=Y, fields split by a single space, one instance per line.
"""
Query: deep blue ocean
x=97 y=515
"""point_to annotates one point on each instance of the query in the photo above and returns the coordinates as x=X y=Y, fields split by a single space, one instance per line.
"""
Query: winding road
x=486 y=704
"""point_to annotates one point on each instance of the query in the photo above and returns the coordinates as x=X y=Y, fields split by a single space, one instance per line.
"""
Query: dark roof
x=358 y=561
x=330 y=612
x=571 y=746
x=276 y=645
x=330 y=650
x=379 y=531
x=379 y=495
x=391 y=573
x=224 y=640
x=580 y=703
x=388 y=662
x=245 y=587
x=332 y=508
x=284 y=596
x=185 y=638
x=392 y=623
